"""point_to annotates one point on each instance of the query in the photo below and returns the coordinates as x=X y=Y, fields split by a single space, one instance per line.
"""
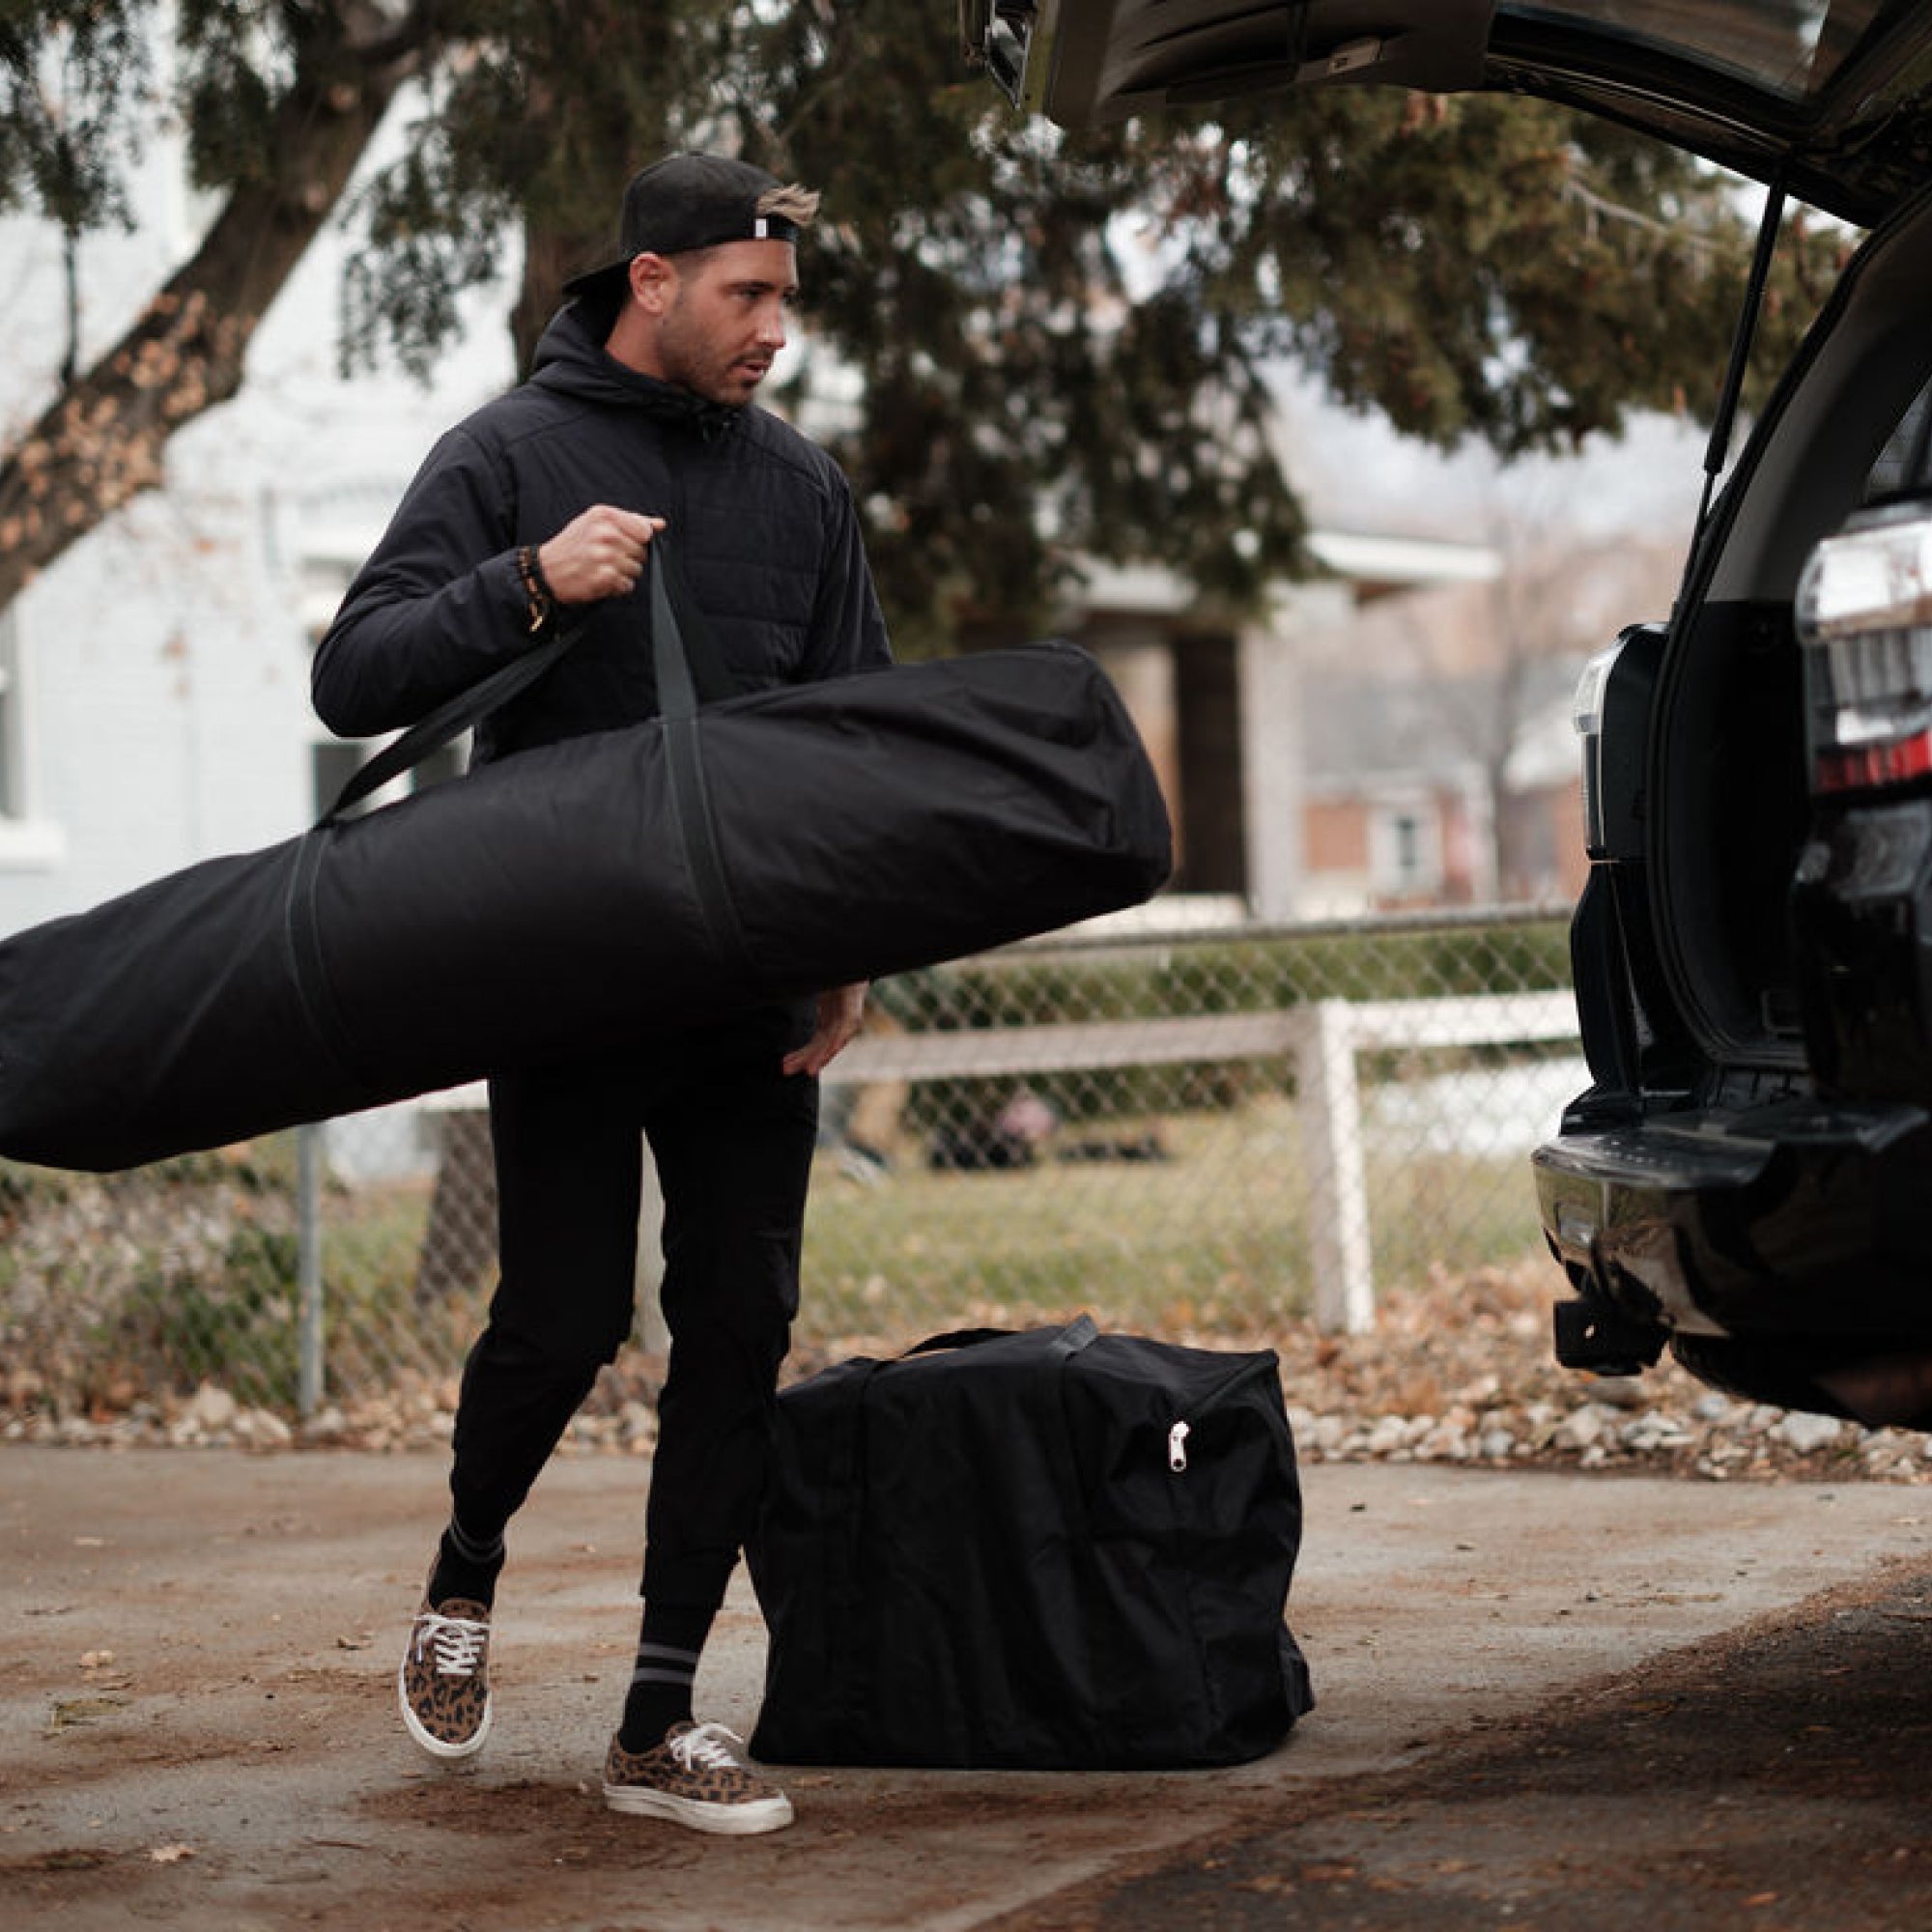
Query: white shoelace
x=456 y=1643
x=706 y=1747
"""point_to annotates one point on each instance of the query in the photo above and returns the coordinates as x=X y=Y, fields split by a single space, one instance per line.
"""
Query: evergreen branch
x=1594 y=204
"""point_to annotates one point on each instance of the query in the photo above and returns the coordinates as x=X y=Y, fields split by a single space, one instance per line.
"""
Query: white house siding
x=163 y=663
x=163 y=691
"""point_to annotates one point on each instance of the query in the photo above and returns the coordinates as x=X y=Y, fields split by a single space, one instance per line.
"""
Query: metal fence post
x=1331 y=1105
x=308 y=1269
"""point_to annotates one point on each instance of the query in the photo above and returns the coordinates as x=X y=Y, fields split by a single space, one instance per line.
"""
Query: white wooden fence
x=1322 y=1037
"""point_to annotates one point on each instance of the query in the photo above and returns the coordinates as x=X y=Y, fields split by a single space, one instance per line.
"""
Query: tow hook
x=1594 y=1334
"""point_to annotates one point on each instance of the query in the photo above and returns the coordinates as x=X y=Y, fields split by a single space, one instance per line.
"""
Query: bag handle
x=685 y=660
x=1076 y=1335
x=455 y=715
x=683 y=647
x=680 y=667
x=678 y=675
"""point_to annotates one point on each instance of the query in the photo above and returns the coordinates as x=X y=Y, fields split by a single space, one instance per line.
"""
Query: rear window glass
x=1790 y=48
x=1901 y=462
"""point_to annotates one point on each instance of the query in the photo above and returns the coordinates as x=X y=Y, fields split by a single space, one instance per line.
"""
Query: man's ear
x=653 y=280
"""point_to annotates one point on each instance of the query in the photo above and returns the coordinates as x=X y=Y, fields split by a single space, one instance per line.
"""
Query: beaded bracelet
x=536 y=586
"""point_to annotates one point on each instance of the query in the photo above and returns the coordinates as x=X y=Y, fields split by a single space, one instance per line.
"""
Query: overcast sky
x=1355 y=473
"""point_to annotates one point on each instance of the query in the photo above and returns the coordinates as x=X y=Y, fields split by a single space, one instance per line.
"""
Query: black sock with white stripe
x=669 y=1646
x=466 y=1566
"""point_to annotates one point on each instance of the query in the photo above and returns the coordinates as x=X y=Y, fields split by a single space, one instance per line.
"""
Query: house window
x=335 y=761
x=13 y=798
x=1405 y=850
x=1406 y=833
x=26 y=845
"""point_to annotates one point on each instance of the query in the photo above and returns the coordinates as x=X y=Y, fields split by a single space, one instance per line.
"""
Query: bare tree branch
x=102 y=442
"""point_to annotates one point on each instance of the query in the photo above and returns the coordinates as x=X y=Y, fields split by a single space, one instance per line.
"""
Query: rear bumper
x=1797 y=1218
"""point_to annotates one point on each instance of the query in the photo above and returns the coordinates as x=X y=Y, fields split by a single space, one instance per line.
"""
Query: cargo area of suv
x=1748 y=1173
x=1748 y=1179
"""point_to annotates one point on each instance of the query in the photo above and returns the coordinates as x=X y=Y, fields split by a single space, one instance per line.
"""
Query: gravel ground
x=1462 y=1371
x=1457 y=1371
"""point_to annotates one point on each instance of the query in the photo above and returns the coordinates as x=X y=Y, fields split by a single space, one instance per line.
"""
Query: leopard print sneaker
x=695 y=1777
x=444 y=1684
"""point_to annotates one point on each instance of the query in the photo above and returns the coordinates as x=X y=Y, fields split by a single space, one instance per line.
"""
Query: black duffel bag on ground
x=1054 y=1549
x=561 y=900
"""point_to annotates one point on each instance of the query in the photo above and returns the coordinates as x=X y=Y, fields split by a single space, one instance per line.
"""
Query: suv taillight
x=1865 y=617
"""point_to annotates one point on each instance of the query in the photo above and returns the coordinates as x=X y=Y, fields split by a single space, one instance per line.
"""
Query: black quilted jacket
x=763 y=525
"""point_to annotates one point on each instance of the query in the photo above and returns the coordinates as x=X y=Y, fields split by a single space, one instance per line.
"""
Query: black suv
x=1748 y=1178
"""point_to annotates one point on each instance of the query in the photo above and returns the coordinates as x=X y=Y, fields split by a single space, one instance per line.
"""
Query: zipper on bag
x=1250 y=1369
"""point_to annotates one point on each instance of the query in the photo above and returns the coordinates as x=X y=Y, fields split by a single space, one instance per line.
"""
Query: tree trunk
x=102 y=442
x=549 y=257
x=572 y=223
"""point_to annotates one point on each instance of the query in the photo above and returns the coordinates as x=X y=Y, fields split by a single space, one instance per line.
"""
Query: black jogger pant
x=732 y=1137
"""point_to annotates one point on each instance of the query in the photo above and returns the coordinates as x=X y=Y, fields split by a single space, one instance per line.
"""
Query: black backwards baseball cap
x=685 y=202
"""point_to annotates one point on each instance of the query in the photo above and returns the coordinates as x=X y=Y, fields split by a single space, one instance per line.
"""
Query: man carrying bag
x=537 y=512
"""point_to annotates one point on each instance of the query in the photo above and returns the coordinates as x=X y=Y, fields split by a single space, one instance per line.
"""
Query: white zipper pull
x=1177 y=1447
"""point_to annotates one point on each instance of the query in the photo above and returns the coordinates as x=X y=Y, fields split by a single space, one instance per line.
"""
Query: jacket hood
x=571 y=361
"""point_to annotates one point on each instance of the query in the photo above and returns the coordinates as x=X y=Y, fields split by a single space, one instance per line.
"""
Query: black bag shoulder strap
x=456 y=715
x=710 y=677
x=683 y=649
x=678 y=706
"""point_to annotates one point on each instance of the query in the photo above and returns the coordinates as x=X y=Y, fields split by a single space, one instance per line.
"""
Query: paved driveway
x=198 y=1719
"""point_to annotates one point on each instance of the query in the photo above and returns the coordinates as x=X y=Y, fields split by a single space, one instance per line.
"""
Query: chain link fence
x=1186 y=1133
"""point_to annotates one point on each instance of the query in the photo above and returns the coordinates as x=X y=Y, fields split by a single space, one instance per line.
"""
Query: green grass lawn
x=1211 y=1239
x=1213 y=1236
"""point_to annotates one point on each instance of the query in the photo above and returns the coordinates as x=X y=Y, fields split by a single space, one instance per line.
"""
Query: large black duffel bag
x=1054 y=1549
x=560 y=900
